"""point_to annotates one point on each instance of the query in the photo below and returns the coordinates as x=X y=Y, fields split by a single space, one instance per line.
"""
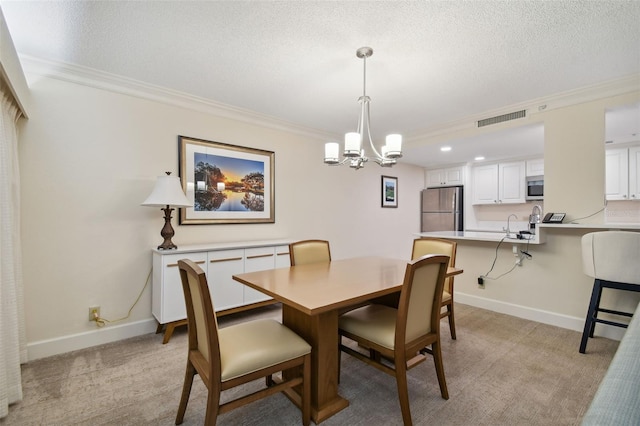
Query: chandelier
x=354 y=153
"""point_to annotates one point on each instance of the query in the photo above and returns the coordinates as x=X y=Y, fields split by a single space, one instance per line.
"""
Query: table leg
x=321 y=331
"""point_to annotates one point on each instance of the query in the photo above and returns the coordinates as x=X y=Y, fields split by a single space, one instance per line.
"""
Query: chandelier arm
x=373 y=148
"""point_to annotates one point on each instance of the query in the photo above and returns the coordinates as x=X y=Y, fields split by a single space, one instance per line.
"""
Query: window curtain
x=13 y=350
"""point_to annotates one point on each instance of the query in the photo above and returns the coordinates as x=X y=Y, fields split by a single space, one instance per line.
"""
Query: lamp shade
x=167 y=192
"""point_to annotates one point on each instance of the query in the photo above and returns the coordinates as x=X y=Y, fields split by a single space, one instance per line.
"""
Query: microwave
x=535 y=188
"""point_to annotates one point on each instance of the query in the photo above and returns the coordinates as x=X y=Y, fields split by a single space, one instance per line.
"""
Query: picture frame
x=227 y=183
x=389 y=191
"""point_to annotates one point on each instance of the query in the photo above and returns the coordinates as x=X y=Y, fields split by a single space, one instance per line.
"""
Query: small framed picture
x=389 y=191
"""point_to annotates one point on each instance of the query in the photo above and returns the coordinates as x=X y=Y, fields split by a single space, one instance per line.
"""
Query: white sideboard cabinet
x=220 y=262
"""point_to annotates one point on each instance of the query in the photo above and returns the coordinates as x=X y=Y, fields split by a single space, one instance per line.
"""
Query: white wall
x=89 y=157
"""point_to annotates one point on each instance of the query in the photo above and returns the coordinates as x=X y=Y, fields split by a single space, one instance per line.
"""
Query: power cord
x=501 y=275
x=494 y=259
x=524 y=252
x=586 y=217
x=101 y=322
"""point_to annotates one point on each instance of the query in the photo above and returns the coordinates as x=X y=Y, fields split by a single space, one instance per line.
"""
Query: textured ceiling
x=434 y=62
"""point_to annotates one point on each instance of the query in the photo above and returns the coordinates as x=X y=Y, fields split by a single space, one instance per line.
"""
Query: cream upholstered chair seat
x=252 y=346
x=232 y=356
x=309 y=251
x=376 y=323
x=612 y=258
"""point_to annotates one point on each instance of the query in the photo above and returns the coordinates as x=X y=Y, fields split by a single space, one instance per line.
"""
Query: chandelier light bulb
x=331 y=152
x=352 y=142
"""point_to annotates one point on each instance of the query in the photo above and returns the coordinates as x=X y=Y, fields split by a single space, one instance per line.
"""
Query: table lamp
x=167 y=193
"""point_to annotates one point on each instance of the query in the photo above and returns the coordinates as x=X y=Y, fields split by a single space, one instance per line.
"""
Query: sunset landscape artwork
x=227 y=183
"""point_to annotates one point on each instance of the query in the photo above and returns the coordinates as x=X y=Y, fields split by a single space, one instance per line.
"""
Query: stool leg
x=589 y=323
x=596 y=309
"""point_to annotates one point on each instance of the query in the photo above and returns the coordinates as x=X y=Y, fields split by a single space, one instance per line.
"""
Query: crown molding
x=107 y=81
x=620 y=86
x=115 y=83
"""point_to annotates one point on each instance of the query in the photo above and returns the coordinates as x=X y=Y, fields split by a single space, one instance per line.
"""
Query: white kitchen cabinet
x=535 y=167
x=445 y=177
x=220 y=262
x=622 y=173
x=502 y=183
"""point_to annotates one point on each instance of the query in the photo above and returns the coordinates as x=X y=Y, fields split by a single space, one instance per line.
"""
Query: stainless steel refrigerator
x=441 y=209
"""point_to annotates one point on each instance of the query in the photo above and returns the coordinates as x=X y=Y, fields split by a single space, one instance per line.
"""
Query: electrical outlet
x=480 y=281
x=94 y=313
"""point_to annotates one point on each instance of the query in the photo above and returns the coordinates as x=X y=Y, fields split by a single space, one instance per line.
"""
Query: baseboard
x=108 y=334
x=72 y=342
x=538 y=315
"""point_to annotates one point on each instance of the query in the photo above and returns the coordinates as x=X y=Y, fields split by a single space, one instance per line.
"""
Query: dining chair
x=232 y=356
x=429 y=245
x=395 y=337
x=309 y=251
x=612 y=259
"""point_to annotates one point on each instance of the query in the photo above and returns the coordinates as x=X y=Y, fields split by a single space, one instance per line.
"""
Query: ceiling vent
x=501 y=118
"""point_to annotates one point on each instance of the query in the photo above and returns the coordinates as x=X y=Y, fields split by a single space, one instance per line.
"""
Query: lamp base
x=167 y=246
x=167 y=231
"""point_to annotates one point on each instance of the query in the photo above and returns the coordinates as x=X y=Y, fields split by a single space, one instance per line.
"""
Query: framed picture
x=226 y=183
x=389 y=191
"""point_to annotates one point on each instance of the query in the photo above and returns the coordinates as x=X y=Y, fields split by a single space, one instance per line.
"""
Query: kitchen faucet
x=538 y=209
x=507 y=230
x=534 y=218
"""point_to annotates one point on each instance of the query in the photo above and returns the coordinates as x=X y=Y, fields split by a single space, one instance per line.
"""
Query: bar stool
x=612 y=258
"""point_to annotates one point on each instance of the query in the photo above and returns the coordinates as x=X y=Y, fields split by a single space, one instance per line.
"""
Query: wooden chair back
x=202 y=322
x=309 y=251
x=417 y=324
x=429 y=245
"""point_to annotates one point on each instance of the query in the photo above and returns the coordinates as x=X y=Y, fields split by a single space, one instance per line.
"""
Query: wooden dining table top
x=321 y=287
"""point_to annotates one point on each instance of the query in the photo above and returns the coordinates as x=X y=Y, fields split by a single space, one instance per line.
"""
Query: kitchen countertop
x=479 y=235
x=612 y=226
x=539 y=238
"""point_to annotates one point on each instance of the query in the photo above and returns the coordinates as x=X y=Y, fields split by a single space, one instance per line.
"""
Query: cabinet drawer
x=282 y=257
x=258 y=259
x=226 y=293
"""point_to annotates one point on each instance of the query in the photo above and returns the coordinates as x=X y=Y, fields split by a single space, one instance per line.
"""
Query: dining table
x=313 y=296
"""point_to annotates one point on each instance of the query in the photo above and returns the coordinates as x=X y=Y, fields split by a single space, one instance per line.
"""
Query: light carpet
x=501 y=370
